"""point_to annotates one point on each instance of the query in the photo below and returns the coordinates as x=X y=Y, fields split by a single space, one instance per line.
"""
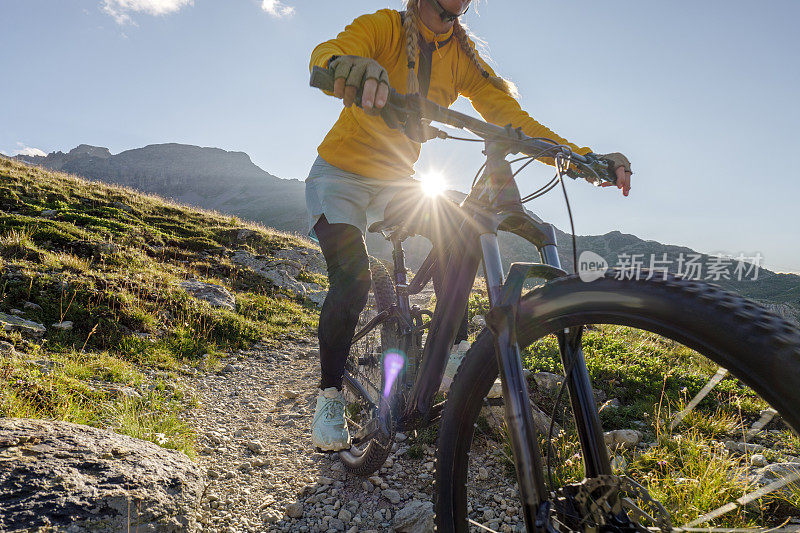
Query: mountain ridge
x=229 y=182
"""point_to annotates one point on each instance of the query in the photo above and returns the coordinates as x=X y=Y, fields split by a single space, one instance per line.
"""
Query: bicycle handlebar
x=420 y=108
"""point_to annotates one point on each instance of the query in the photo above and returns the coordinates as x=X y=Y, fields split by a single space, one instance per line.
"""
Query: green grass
x=109 y=260
x=688 y=469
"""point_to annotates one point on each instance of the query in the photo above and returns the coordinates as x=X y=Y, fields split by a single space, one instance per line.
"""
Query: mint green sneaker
x=329 y=428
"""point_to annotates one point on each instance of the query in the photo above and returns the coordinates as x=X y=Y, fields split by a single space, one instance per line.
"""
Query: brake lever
x=595 y=170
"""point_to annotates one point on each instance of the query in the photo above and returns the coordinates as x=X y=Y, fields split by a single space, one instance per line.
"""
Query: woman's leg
x=349 y=280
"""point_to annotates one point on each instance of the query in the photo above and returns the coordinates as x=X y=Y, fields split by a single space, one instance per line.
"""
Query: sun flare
x=433 y=183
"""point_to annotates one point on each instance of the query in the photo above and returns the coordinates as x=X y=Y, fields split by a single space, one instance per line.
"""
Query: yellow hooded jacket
x=364 y=144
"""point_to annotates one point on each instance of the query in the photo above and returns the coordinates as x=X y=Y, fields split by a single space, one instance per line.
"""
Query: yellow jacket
x=364 y=144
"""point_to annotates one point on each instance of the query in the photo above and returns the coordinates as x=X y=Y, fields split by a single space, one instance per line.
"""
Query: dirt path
x=253 y=421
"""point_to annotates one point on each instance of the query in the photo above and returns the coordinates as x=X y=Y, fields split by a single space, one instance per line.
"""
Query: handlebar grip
x=322 y=78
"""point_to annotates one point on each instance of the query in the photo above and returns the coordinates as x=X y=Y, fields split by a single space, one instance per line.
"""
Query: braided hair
x=460 y=32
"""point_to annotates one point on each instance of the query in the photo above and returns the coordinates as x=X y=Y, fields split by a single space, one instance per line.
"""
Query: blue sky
x=702 y=96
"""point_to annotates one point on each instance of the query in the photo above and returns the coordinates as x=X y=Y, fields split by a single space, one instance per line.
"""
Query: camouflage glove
x=357 y=70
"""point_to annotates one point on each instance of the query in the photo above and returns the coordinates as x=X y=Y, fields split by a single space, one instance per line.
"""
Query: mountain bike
x=392 y=380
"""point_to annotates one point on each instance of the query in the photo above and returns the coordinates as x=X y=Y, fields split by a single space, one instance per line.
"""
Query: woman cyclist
x=362 y=162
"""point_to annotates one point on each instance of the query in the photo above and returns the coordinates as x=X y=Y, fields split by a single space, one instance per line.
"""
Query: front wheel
x=691 y=449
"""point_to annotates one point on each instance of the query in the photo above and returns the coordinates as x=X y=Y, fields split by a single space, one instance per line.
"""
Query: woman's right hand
x=354 y=72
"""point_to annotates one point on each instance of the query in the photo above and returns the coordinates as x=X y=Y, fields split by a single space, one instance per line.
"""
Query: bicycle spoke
x=481 y=526
x=715 y=379
x=744 y=500
x=759 y=424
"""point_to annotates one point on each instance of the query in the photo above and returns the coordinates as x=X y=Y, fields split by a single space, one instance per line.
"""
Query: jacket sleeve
x=364 y=37
x=499 y=108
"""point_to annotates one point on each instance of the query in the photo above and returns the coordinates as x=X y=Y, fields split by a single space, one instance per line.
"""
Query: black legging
x=349 y=281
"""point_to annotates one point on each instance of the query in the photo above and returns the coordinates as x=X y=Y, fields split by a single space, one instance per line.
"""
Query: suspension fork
x=504 y=298
x=502 y=320
x=587 y=418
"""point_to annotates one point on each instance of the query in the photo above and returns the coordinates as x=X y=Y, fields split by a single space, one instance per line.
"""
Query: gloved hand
x=620 y=166
x=352 y=73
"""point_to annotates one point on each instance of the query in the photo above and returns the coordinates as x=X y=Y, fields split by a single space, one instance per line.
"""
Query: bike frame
x=493 y=205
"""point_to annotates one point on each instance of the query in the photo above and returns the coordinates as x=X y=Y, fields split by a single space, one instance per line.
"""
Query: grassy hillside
x=109 y=260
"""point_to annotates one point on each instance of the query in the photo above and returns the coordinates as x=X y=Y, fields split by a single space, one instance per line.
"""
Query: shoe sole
x=331 y=448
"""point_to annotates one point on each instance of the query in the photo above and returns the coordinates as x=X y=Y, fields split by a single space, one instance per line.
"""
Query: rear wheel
x=695 y=458
x=367 y=455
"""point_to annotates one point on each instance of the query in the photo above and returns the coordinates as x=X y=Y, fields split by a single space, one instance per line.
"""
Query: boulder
x=415 y=517
x=548 y=382
x=625 y=438
x=26 y=327
x=62 y=476
x=780 y=471
x=216 y=295
x=479 y=321
x=495 y=416
x=283 y=268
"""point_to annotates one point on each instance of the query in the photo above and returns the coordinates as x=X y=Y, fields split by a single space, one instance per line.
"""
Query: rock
x=478 y=320
x=63 y=476
x=495 y=415
x=758 y=460
x=228 y=369
x=626 y=438
x=345 y=516
x=743 y=447
x=548 y=382
x=122 y=391
x=254 y=446
x=216 y=295
x=6 y=348
x=496 y=391
x=17 y=312
x=778 y=471
x=283 y=268
x=245 y=234
x=392 y=495
x=30 y=306
x=415 y=517
x=26 y=327
x=294 y=510
x=400 y=437
x=63 y=326
x=619 y=463
x=48 y=213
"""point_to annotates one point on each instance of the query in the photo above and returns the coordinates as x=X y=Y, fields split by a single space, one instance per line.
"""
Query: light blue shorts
x=346 y=197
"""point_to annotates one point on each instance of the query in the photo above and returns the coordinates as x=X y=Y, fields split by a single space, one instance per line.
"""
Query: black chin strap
x=445 y=15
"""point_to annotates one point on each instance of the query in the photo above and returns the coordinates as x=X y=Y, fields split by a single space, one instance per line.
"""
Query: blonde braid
x=460 y=33
x=412 y=44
